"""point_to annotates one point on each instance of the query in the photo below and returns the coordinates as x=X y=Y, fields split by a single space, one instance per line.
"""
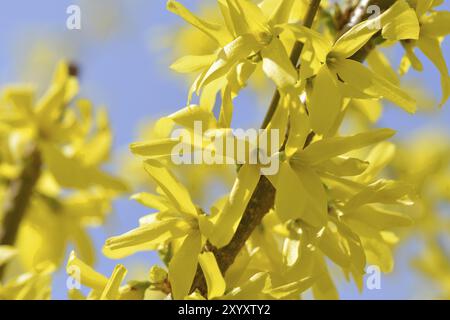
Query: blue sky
x=122 y=69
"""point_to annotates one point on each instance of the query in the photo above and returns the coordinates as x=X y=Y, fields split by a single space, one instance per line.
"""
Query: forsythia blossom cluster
x=332 y=201
x=337 y=201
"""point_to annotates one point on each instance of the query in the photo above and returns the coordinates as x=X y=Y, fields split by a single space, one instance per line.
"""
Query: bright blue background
x=125 y=72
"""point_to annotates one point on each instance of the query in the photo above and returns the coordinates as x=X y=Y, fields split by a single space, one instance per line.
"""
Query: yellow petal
x=50 y=106
x=333 y=147
x=155 y=148
x=436 y=24
x=183 y=265
x=195 y=296
x=145 y=237
x=380 y=65
x=40 y=227
x=380 y=156
x=291 y=289
x=187 y=117
x=364 y=80
x=316 y=213
x=356 y=251
x=400 y=23
x=213 y=275
x=247 y=17
x=229 y=56
x=334 y=246
x=279 y=121
x=208 y=97
x=382 y=191
x=291 y=251
x=189 y=64
x=354 y=39
x=320 y=43
x=151 y=200
x=310 y=62
x=371 y=109
x=238 y=78
x=299 y=126
x=71 y=173
x=410 y=59
x=96 y=150
x=111 y=291
x=226 y=112
x=236 y=272
x=277 y=65
x=22 y=98
x=342 y=166
x=423 y=6
x=83 y=243
x=280 y=10
x=431 y=48
x=214 y=31
x=324 y=108
x=397 y=23
x=229 y=217
x=379 y=254
x=324 y=288
x=87 y=276
x=250 y=289
x=236 y=25
x=178 y=195
x=379 y=218
x=315 y=50
x=291 y=196
x=74 y=294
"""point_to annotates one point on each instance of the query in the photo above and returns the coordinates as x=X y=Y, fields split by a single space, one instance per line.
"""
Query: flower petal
x=431 y=48
x=436 y=24
x=277 y=65
x=240 y=48
x=214 y=31
x=189 y=64
x=178 y=195
x=229 y=217
x=213 y=275
x=111 y=291
x=291 y=196
x=359 y=77
x=146 y=237
x=183 y=265
x=325 y=102
x=332 y=147
x=151 y=200
x=87 y=275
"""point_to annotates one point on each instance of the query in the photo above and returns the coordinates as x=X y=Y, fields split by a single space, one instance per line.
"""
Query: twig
x=263 y=197
x=18 y=198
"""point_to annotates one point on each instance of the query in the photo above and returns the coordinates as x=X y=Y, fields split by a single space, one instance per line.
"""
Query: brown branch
x=263 y=198
x=18 y=198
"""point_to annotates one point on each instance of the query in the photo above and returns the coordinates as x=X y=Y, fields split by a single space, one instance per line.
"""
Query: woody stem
x=263 y=197
x=18 y=197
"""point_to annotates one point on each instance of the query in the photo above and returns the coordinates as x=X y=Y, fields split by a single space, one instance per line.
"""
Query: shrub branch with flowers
x=339 y=195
